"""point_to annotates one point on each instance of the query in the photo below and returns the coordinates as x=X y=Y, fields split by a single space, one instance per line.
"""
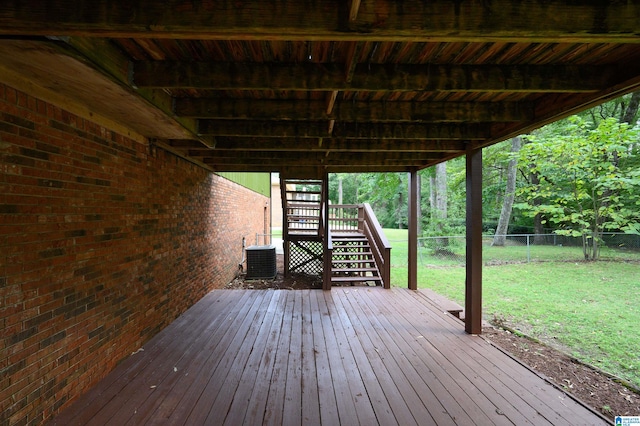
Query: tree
x=587 y=179
x=509 y=194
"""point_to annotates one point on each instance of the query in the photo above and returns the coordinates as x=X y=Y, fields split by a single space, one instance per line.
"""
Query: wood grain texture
x=306 y=19
x=371 y=77
x=349 y=356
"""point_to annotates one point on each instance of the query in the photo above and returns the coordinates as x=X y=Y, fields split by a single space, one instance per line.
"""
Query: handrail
x=344 y=217
x=361 y=218
x=379 y=244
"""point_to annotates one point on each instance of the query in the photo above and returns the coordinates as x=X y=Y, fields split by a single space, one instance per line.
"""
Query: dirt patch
x=293 y=282
x=596 y=389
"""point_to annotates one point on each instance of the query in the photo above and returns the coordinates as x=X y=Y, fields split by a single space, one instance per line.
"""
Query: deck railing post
x=473 y=282
x=413 y=230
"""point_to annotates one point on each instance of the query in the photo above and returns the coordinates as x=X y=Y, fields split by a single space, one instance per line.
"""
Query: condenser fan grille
x=261 y=262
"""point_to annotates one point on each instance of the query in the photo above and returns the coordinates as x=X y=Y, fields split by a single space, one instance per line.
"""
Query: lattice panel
x=305 y=257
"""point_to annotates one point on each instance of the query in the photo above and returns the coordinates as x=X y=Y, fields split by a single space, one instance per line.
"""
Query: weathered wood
x=547 y=111
x=218 y=108
x=328 y=144
x=331 y=101
x=473 y=281
x=353 y=356
x=373 y=77
x=108 y=59
x=306 y=155
x=309 y=169
x=411 y=20
x=413 y=231
x=313 y=159
x=314 y=129
x=48 y=70
x=352 y=60
x=353 y=10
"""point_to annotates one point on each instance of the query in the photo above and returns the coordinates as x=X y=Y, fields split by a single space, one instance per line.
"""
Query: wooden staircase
x=352 y=261
x=344 y=244
x=302 y=199
x=304 y=226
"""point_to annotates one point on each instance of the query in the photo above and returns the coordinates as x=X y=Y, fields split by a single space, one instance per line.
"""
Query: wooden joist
x=318 y=129
x=327 y=145
x=413 y=112
x=376 y=20
x=371 y=77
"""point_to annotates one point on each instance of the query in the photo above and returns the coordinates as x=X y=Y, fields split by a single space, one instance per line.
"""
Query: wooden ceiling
x=334 y=85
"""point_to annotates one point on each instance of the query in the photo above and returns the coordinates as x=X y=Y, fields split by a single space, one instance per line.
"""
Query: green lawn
x=590 y=309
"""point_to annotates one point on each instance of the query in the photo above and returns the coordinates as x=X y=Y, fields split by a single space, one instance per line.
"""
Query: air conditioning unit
x=261 y=262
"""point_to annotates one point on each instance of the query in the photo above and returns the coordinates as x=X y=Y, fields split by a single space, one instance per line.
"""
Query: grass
x=589 y=309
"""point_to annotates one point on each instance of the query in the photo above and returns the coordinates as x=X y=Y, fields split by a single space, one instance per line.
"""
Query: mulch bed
x=593 y=387
x=601 y=392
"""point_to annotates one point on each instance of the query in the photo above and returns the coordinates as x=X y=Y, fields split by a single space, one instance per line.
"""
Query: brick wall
x=103 y=242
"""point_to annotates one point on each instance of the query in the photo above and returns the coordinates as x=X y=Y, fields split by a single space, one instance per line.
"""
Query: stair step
x=293 y=202
x=304 y=192
x=335 y=263
x=354 y=279
x=342 y=270
x=350 y=246
x=349 y=254
x=304 y=181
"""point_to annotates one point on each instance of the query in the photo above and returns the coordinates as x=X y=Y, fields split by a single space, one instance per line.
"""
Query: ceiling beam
x=314 y=129
x=376 y=20
x=353 y=111
x=362 y=157
x=112 y=62
x=293 y=170
x=372 y=77
x=317 y=161
x=325 y=144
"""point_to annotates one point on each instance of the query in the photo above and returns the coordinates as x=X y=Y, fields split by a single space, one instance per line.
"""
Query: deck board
x=349 y=356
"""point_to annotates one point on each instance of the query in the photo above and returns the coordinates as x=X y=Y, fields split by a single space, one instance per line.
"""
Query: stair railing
x=344 y=218
x=379 y=244
x=361 y=218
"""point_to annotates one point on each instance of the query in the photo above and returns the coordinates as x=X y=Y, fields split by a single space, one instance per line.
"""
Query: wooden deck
x=349 y=356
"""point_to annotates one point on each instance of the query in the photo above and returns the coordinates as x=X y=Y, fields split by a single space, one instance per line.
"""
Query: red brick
x=100 y=234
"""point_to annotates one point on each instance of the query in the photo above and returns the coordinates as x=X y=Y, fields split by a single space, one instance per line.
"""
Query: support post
x=413 y=230
x=327 y=245
x=473 y=282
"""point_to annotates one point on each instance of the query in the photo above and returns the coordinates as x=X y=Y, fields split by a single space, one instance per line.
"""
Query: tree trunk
x=538 y=228
x=630 y=113
x=399 y=211
x=441 y=201
x=339 y=190
x=509 y=195
x=432 y=197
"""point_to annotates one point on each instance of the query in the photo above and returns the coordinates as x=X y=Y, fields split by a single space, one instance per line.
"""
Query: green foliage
x=587 y=182
x=386 y=192
x=591 y=312
x=590 y=166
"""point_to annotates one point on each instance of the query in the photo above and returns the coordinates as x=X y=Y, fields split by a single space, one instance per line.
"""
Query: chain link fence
x=518 y=248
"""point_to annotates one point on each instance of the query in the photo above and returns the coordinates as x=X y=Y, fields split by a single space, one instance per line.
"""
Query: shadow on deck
x=350 y=356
